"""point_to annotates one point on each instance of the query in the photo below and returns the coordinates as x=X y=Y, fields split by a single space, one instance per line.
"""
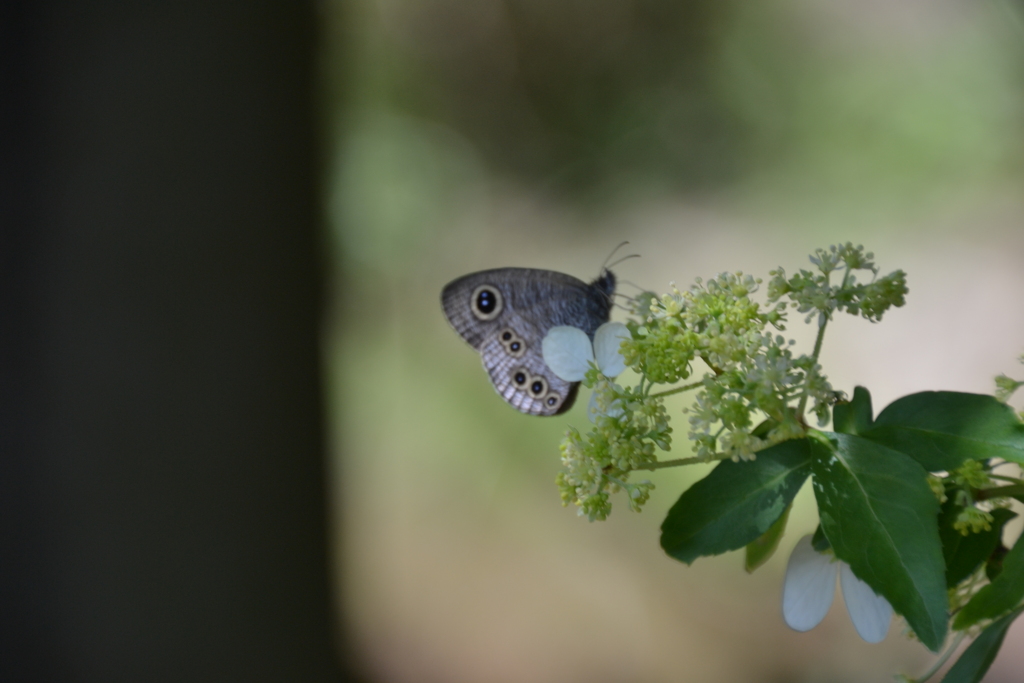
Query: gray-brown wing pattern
x=457 y=304
x=505 y=313
x=523 y=379
x=545 y=297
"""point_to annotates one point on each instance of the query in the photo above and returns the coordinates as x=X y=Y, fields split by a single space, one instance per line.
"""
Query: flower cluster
x=935 y=483
x=1006 y=386
x=753 y=372
x=971 y=520
x=628 y=425
x=971 y=476
x=814 y=294
x=753 y=391
x=717 y=322
x=766 y=381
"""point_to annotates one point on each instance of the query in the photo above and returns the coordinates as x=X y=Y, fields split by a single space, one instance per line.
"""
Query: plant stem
x=810 y=375
x=846 y=277
x=943 y=658
x=621 y=485
x=677 y=390
x=998 y=492
x=684 y=461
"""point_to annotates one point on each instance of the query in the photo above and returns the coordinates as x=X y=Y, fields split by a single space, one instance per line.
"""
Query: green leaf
x=941 y=429
x=994 y=565
x=976 y=659
x=736 y=503
x=879 y=514
x=1003 y=594
x=762 y=548
x=964 y=554
x=853 y=417
x=819 y=541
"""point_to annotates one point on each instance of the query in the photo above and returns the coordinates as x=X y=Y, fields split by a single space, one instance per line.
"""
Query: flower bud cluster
x=628 y=427
x=1006 y=386
x=814 y=295
x=971 y=520
x=753 y=373
x=764 y=383
x=937 y=486
x=717 y=322
x=972 y=475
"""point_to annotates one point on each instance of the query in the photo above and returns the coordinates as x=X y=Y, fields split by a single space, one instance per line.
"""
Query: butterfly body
x=506 y=312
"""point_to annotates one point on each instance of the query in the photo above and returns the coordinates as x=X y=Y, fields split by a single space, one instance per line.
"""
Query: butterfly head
x=605 y=283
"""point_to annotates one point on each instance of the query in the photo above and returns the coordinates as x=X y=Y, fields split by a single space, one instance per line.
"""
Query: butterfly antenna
x=605 y=265
x=624 y=258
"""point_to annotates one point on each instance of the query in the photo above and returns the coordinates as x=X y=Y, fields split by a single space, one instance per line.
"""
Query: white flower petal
x=567 y=351
x=809 y=587
x=607 y=341
x=870 y=612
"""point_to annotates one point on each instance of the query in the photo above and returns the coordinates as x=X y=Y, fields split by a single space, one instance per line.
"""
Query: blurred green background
x=471 y=134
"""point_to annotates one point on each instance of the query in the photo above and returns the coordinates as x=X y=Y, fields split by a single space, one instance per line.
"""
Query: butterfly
x=505 y=314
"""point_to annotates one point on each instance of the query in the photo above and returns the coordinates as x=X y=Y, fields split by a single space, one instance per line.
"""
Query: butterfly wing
x=524 y=380
x=505 y=314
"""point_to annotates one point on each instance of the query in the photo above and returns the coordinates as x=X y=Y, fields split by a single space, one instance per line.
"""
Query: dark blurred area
x=569 y=94
x=163 y=501
x=574 y=92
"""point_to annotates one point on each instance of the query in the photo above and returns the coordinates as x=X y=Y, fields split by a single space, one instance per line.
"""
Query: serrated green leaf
x=964 y=554
x=942 y=429
x=976 y=659
x=854 y=416
x=762 y=548
x=879 y=515
x=1003 y=594
x=736 y=503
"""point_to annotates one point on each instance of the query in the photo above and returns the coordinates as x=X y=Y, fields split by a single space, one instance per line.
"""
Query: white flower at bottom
x=810 y=586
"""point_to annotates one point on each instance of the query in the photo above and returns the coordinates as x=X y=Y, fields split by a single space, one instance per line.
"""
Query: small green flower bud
x=971 y=520
x=971 y=474
x=1005 y=386
x=937 y=487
